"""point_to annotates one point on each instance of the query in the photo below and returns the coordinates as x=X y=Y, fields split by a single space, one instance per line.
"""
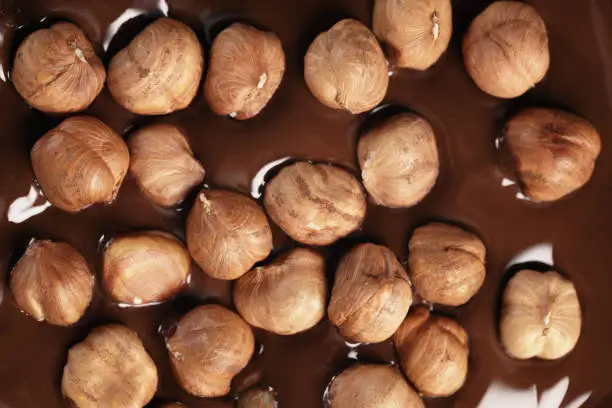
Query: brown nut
x=257 y=398
x=554 y=152
x=417 y=32
x=315 y=204
x=433 y=352
x=371 y=294
x=208 y=348
x=227 y=233
x=399 y=160
x=159 y=71
x=56 y=70
x=163 y=164
x=246 y=68
x=52 y=282
x=505 y=50
x=345 y=68
x=540 y=316
x=110 y=368
x=79 y=163
x=286 y=297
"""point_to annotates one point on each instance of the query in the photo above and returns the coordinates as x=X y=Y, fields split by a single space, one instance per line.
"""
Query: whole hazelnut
x=209 y=347
x=56 y=70
x=315 y=204
x=417 y=32
x=110 y=368
x=399 y=160
x=505 y=50
x=554 y=152
x=345 y=68
x=159 y=71
x=246 y=68
x=163 y=164
x=285 y=297
x=52 y=282
x=433 y=352
x=446 y=263
x=145 y=267
x=257 y=398
x=227 y=233
x=371 y=294
x=540 y=316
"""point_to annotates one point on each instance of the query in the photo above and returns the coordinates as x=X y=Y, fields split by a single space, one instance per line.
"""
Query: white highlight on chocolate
x=260 y=178
x=25 y=207
x=542 y=252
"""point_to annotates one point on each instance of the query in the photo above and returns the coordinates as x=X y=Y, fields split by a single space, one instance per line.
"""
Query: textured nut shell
x=540 y=316
x=371 y=294
x=345 y=68
x=227 y=233
x=109 y=368
x=159 y=71
x=56 y=70
x=554 y=152
x=315 y=204
x=257 y=398
x=209 y=347
x=52 y=282
x=79 y=163
x=433 y=352
x=285 y=297
x=399 y=160
x=163 y=164
x=417 y=31
x=246 y=68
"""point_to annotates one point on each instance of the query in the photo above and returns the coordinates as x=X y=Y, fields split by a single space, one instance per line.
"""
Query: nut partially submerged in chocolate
x=257 y=398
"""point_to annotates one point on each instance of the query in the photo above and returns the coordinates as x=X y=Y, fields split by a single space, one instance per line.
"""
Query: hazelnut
x=257 y=398
x=227 y=233
x=209 y=347
x=52 y=282
x=163 y=164
x=417 y=32
x=56 y=70
x=110 y=368
x=371 y=294
x=446 y=263
x=246 y=68
x=286 y=297
x=159 y=71
x=79 y=163
x=315 y=204
x=399 y=160
x=540 y=316
x=345 y=68
x=505 y=50
x=554 y=152
x=433 y=352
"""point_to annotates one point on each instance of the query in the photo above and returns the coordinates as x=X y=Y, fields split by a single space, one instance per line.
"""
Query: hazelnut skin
x=110 y=368
x=540 y=316
x=227 y=233
x=433 y=352
x=52 y=282
x=159 y=71
x=246 y=68
x=257 y=398
x=505 y=50
x=371 y=294
x=446 y=263
x=285 y=297
x=345 y=68
x=56 y=70
x=315 y=204
x=554 y=152
x=399 y=160
x=209 y=347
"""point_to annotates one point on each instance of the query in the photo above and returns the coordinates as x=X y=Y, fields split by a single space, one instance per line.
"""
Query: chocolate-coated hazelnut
x=257 y=398
x=345 y=68
x=371 y=294
x=315 y=204
x=227 y=233
x=79 y=163
x=285 y=297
